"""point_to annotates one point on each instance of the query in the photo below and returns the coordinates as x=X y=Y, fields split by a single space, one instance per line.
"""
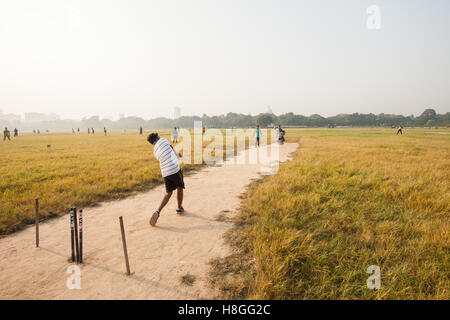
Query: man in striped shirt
x=170 y=170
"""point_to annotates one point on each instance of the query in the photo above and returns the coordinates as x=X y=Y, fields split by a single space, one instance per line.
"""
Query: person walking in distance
x=104 y=130
x=258 y=135
x=141 y=131
x=6 y=134
x=399 y=130
x=175 y=135
x=279 y=135
x=171 y=172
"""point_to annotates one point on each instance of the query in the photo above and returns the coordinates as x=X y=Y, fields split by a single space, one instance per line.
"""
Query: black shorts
x=174 y=181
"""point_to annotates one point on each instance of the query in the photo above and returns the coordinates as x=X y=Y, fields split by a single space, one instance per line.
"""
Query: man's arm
x=179 y=155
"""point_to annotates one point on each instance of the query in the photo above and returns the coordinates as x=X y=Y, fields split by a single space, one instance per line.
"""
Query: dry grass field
x=351 y=198
x=78 y=170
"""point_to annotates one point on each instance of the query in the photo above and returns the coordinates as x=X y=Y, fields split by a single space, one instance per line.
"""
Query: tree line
x=429 y=118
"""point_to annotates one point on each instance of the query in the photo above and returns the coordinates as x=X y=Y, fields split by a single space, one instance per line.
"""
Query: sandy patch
x=159 y=256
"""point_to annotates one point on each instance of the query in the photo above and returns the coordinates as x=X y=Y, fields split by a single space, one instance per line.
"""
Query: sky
x=142 y=58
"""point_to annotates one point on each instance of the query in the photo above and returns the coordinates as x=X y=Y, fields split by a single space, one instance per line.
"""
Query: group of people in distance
x=280 y=135
x=105 y=131
x=171 y=170
x=7 y=134
x=175 y=133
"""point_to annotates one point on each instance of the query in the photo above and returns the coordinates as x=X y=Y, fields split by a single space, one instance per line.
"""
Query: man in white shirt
x=171 y=172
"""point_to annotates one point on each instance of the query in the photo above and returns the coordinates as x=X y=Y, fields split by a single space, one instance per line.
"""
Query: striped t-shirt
x=166 y=156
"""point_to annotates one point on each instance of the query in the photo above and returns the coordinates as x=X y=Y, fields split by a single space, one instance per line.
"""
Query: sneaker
x=154 y=218
x=180 y=210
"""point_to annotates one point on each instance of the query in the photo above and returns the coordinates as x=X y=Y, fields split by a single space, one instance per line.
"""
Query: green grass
x=351 y=198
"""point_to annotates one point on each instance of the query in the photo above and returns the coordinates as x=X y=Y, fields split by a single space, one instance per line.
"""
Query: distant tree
x=444 y=119
x=316 y=120
x=265 y=119
x=239 y=120
x=430 y=123
x=428 y=114
x=4 y=124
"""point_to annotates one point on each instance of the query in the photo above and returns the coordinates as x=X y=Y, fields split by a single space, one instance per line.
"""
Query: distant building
x=10 y=117
x=39 y=117
x=53 y=117
x=176 y=112
x=34 y=117
x=269 y=110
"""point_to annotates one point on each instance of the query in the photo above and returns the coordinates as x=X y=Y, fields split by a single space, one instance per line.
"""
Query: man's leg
x=165 y=200
x=180 y=197
x=155 y=215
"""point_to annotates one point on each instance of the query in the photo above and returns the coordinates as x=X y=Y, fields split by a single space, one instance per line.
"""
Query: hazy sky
x=103 y=57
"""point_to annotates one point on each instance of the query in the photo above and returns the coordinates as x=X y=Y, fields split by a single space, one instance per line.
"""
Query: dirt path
x=158 y=256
